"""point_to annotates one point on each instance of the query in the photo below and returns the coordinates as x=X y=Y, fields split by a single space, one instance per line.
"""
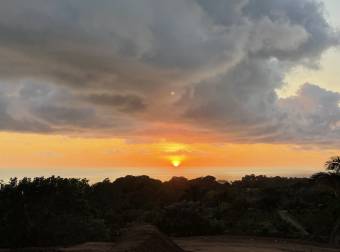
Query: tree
x=333 y=165
x=331 y=179
x=46 y=212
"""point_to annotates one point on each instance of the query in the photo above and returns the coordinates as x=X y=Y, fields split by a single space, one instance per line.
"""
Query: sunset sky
x=166 y=88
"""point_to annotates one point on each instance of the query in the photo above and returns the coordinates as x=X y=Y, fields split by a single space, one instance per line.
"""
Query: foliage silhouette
x=333 y=164
x=59 y=211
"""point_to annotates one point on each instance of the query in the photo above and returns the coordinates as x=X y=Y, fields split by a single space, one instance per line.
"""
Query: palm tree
x=332 y=180
x=333 y=164
x=329 y=179
x=332 y=177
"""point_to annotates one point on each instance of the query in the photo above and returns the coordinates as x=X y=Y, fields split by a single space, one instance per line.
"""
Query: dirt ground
x=148 y=239
x=246 y=244
x=139 y=238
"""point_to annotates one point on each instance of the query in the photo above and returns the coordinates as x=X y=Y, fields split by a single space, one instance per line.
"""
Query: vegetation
x=59 y=211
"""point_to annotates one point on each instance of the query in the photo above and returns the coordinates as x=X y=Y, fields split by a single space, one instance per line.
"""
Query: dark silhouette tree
x=331 y=179
x=333 y=165
x=58 y=211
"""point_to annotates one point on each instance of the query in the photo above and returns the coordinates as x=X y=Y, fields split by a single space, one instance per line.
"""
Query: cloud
x=89 y=66
x=313 y=115
x=127 y=103
x=10 y=123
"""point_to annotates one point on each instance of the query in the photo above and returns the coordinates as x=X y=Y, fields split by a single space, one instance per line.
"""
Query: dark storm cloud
x=128 y=103
x=10 y=123
x=306 y=14
x=77 y=65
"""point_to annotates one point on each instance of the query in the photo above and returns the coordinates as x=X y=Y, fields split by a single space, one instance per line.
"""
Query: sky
x=189 y=88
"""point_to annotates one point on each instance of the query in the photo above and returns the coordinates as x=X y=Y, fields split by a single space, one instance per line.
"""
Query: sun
x=176 y=162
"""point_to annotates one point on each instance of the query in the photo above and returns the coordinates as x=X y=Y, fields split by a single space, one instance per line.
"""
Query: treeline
x=60 y=211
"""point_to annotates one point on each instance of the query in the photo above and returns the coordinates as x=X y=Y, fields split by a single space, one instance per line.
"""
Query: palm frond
x=333 y=164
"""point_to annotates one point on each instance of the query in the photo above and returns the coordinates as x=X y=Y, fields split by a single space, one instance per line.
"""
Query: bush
x=187 y=218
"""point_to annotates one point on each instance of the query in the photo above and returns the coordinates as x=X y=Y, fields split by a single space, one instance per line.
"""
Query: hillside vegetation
x=60 y=211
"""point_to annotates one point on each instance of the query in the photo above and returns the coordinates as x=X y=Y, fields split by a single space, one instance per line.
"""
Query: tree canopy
x=62 y=211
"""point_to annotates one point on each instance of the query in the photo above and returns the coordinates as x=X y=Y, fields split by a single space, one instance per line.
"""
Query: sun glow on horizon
x=176 y=162
x=65 y=155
